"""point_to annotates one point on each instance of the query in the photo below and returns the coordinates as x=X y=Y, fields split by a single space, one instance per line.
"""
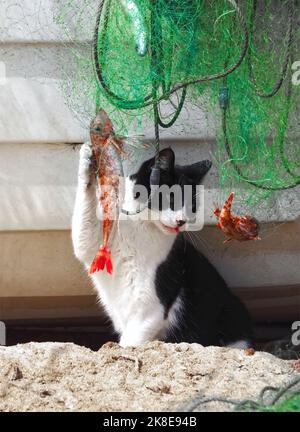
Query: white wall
x=39 y=139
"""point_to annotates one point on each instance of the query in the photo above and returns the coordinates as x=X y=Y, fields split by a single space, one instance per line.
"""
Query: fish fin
x=217 y=211
x=102 y=260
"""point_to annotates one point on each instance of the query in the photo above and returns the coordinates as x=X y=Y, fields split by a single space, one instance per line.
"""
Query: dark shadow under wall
x=270 y=337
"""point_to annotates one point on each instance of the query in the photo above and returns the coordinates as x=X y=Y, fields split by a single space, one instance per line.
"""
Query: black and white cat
x=161 y=287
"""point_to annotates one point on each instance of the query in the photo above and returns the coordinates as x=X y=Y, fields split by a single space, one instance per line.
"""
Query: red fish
x=241 y=228
x=107 y=148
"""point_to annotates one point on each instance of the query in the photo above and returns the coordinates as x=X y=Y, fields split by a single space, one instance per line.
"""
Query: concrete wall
x=39 y=143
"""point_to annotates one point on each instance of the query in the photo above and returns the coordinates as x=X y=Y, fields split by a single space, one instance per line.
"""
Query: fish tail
x=102 y=260
x=228 y=203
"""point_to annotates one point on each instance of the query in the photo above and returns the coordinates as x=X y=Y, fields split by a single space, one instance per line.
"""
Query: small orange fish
x=241 y=228
x=107 y=148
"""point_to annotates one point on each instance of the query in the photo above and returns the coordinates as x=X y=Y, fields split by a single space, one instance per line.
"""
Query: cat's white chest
x=129 y=295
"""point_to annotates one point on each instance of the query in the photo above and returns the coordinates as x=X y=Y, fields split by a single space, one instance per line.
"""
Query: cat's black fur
x=161 y=286
x=210 y=314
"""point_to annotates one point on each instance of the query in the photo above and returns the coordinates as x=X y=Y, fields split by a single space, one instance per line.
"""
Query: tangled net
x=149 y=58
x=271 y=399
x=145 y=60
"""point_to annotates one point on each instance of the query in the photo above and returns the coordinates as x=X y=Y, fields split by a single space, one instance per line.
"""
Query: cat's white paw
x=134 y=338
x=127 y=341
x=86 y=170
x=240 y=344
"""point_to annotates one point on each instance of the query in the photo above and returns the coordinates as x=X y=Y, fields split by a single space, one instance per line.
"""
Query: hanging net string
x=256 y=183
x=268 y=400
x=191 y=50
x=273 y=92
x=157 y=13
x=288 y=55
x=157 y=58
x=265 y=118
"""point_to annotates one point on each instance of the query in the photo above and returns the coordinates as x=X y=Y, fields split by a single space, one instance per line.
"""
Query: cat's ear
x=167 y=159
x=198 y=170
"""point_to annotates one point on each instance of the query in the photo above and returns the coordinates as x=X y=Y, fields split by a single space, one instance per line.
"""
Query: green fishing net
x=290 y=405
x=133 y=57
x=271 y=399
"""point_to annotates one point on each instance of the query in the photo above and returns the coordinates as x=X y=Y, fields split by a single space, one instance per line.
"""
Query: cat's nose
x=180 y=222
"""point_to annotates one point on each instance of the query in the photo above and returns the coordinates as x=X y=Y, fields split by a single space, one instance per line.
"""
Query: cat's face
x=174 y=208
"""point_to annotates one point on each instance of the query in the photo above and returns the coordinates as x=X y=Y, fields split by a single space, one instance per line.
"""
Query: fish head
x=249 y=227
x=101 y=125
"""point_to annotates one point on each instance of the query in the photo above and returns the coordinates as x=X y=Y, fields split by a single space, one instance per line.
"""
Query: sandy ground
x=155 y=377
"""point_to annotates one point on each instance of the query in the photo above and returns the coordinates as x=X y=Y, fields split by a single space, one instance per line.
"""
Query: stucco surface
x=39 y=138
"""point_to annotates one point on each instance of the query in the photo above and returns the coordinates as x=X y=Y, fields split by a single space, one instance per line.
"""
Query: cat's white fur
x=138 y=247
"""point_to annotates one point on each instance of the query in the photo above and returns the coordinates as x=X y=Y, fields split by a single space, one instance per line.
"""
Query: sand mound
x=155 y=377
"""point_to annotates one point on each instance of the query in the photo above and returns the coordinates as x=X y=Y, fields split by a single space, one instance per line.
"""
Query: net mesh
x=271 y=399
x=128 y=55
x=145 y=50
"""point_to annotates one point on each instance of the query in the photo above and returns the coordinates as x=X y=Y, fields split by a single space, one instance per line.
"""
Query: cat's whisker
x=196 y=239
x=270 y=231
x=192 y=238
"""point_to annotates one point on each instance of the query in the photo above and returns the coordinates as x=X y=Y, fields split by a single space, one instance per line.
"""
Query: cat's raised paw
x=86 y=164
